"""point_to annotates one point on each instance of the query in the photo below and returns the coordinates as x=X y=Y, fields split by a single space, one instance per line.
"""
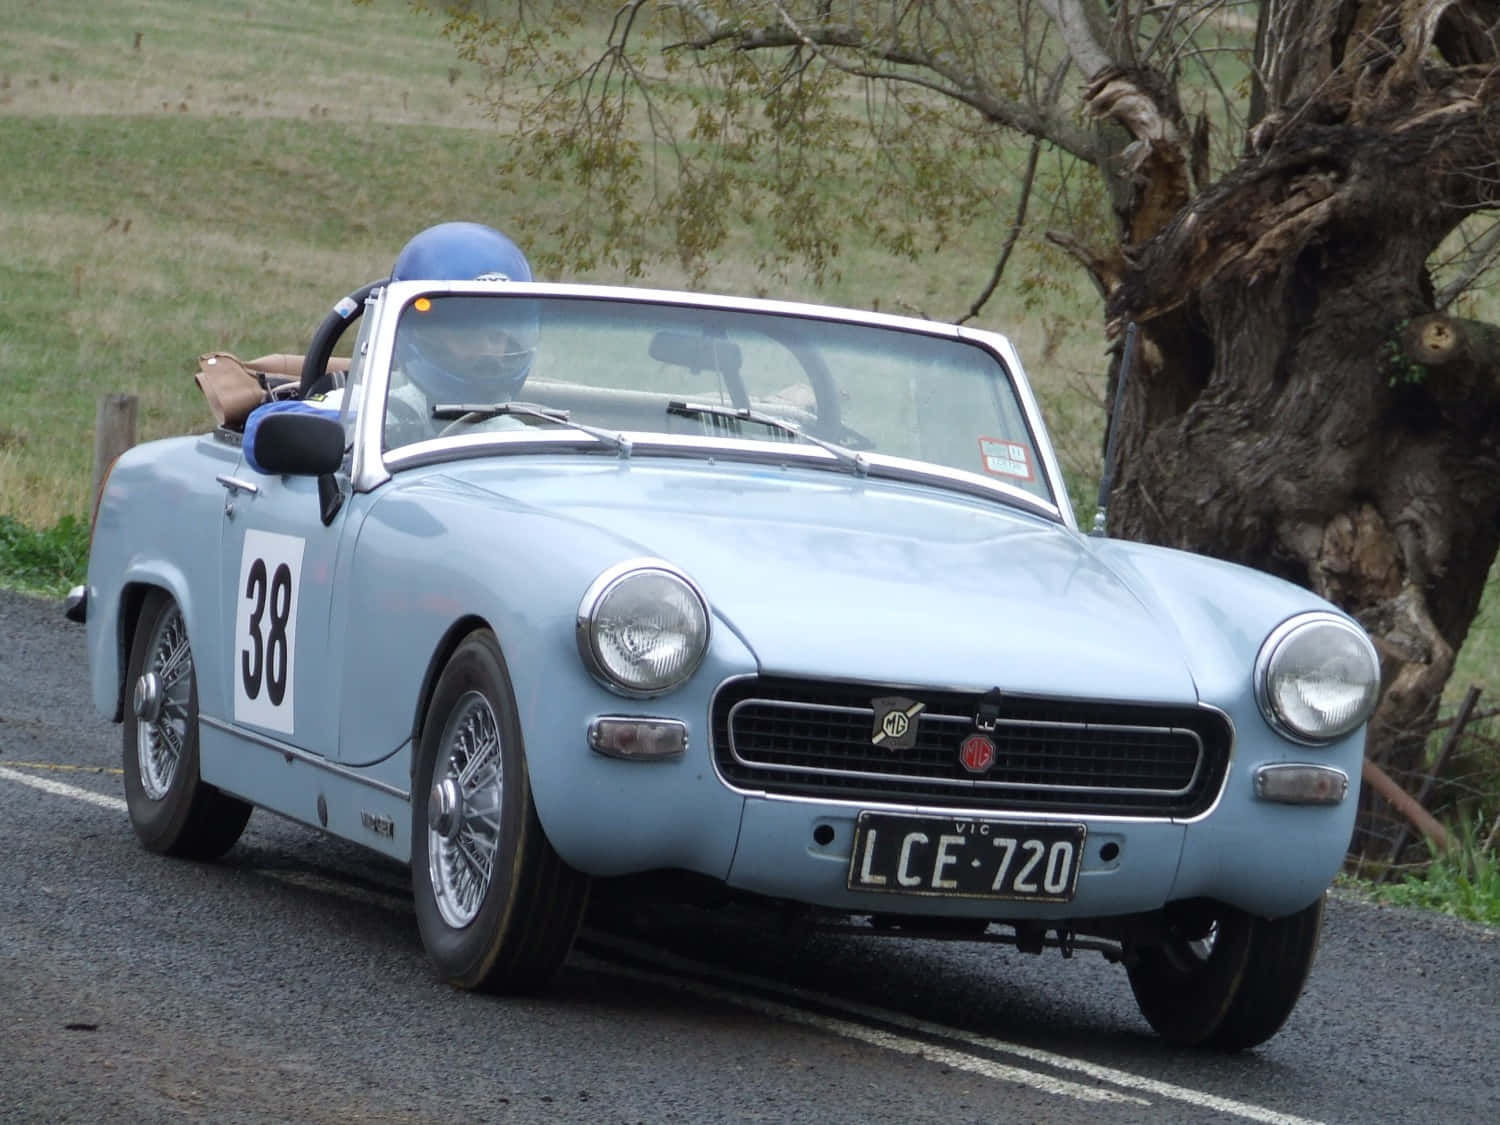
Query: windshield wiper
x=843 y=454
x=452 y=411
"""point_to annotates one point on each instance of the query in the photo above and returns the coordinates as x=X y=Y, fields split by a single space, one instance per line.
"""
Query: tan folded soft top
x=235 y=387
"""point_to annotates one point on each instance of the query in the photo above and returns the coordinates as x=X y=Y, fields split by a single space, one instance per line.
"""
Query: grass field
x=183 y=177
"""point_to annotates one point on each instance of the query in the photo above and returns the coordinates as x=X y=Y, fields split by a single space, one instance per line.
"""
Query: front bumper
x=608 y=816
x=1268 y=859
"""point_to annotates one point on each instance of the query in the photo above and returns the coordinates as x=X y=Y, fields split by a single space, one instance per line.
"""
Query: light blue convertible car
x=560 y=583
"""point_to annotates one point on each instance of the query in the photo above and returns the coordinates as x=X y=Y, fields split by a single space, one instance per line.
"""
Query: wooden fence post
x=114 y=433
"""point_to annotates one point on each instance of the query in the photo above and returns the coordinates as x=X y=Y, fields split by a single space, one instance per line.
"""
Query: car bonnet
x=832 y=576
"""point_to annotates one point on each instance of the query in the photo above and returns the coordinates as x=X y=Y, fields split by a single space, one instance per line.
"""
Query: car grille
x=814 y=739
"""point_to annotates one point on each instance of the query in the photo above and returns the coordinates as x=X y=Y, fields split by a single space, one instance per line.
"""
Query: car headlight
x=642 y=627
x=1317 y=677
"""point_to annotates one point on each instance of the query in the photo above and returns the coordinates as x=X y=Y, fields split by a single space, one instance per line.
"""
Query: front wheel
x=496 y=906
x=1225 y=979
x=173 y=811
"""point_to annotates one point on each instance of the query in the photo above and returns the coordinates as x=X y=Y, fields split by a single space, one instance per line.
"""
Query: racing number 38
x=265 y=631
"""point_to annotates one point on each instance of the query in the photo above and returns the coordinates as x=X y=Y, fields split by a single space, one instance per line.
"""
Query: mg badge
x=977 y=753
x=895 y=722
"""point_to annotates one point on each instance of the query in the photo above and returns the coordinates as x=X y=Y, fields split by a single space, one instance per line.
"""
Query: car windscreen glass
x=631 y=366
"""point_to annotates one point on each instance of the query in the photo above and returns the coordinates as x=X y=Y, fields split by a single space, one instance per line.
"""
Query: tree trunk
x=1301 y=408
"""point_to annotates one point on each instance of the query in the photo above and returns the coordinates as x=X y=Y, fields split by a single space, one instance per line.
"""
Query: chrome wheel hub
x=146 y=700
x=162 y=700
x=463 y=810
x=445 y=808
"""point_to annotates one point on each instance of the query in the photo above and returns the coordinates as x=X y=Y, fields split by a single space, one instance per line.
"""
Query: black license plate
x=959 y=857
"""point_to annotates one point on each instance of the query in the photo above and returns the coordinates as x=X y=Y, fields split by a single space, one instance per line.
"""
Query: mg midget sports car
x=561 y=582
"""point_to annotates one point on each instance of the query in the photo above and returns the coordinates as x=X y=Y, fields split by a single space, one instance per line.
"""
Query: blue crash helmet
x=465 y=349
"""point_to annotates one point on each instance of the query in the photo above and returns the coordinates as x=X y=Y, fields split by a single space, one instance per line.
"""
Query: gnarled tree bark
x=1302 y=406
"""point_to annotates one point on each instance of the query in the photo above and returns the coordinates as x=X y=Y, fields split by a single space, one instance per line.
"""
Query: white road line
x=850 y=1030
x=1096 y=1071
x=57 y=788
x=844 y=1028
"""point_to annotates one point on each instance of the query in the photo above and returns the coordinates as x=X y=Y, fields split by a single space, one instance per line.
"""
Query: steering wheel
x=470 y=419
x=343 y=314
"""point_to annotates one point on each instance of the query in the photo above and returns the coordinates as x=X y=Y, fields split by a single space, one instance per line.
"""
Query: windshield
x=646 y=369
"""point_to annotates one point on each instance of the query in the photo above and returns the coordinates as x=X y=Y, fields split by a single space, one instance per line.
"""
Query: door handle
x=233 y=485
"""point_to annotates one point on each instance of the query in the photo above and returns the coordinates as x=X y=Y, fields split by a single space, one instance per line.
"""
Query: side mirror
x=304 y=442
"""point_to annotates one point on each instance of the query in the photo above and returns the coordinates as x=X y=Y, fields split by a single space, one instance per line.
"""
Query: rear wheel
x=1225 y=978
x=497 y=907
x=171 y=809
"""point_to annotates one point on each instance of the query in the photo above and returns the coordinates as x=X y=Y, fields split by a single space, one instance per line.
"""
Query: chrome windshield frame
x=371 y=466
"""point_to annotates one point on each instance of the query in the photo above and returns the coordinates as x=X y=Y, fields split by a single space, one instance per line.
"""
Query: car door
x=276 y=581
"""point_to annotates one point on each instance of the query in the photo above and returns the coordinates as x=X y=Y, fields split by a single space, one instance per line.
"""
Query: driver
x=456 y=349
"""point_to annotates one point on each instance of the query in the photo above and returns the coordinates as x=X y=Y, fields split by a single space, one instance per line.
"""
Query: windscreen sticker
x=265 y=629
x=1006 y=458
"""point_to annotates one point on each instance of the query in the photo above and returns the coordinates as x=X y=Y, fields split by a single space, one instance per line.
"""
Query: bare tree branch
x=921 y=69
x=1016 y=227
x=1073 y=24
x=1481 y=257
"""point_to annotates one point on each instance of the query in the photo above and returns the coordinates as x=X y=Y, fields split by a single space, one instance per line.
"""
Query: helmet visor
x=475 y=347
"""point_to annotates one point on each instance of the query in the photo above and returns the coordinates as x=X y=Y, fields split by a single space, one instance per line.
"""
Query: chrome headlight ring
x=1317 y=677
x=643 y=628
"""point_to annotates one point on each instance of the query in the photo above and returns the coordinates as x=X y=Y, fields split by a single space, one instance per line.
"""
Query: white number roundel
x=265 y=629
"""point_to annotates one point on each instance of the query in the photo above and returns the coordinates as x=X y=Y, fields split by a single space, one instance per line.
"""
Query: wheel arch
x=132 y=597
x=441 y=654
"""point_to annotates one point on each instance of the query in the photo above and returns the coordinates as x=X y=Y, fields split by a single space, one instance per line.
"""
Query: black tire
x=173 y=811
x=510 y=930
x=1229 y=982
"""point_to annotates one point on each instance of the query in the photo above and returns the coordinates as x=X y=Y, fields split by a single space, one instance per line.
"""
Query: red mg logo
x=977 y=754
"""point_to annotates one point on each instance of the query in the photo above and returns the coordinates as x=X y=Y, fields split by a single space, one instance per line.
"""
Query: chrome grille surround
x=812 y=739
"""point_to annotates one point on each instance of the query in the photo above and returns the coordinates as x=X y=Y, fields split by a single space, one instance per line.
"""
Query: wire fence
x=1452 y=800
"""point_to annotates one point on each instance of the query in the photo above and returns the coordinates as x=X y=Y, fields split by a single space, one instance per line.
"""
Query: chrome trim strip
x=1046 y=816
x=649 y=443
x=966 y=783
x=305 y=756
x=367 y=470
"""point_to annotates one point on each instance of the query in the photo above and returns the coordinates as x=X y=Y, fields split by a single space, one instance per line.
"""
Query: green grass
x=1463 y=882
x=43 y=562
x=167 y=197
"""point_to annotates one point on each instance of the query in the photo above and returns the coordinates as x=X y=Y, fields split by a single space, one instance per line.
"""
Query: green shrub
x=1463 y=881
x=43 y=562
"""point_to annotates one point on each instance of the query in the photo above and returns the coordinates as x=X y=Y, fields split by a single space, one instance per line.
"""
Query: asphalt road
x=287 y=982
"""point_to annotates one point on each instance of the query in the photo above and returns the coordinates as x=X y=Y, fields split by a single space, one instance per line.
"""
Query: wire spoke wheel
x=163 y=696
x=496 y=906
x=461 y=846
x=172 y=810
